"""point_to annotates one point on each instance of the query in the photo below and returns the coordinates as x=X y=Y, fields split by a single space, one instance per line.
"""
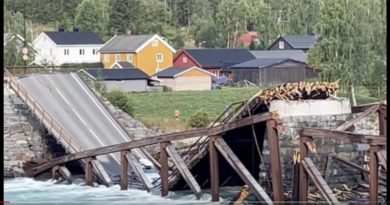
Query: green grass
x=156 y=109
x=163 y=104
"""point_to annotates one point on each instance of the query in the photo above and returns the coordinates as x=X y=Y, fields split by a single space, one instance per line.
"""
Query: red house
x=214 y=60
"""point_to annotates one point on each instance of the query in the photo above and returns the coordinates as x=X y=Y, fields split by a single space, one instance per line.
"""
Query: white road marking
x=63 y=97
x=79 y=116
x=105 y=114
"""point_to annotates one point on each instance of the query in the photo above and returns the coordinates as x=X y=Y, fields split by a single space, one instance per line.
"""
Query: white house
x=57 y=48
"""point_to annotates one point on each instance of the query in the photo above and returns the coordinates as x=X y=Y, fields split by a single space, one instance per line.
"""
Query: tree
x=346 y=50
x=125 y=15
x=207 y=34
x=92 y=15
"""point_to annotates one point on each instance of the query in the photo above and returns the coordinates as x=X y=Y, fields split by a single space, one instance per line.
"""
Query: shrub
x=120 y=100
x=166 y=89
x=199 y=119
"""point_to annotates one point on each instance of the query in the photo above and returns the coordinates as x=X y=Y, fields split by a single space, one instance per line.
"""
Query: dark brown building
x=271 y=71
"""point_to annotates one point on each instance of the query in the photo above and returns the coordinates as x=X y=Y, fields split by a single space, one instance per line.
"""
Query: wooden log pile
x=300 y=91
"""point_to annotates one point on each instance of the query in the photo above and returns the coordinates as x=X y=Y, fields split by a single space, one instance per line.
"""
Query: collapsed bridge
x=224 y=144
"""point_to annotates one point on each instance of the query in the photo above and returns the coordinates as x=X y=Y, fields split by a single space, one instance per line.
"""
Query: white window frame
x=66 y=51
x=129 y=58
x=281 y=44
x=155 y=42
x=117 y=57
x=82 y=52
x=159 y=59
x=184 y=59
x=94 y=51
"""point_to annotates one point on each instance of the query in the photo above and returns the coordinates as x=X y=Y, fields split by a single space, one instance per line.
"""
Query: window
x=155 y=42
x=117 y=57
x=94 y=51
x=82 y=52
x=159 y=57
x=129 y=57
x=184 y=59
x=66 y=52
x=281 y=45
x=106 y=58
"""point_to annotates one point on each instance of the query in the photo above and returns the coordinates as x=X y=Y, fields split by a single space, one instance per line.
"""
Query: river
x=45 y=191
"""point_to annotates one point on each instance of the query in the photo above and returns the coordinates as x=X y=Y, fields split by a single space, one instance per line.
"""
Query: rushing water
x=45 y=191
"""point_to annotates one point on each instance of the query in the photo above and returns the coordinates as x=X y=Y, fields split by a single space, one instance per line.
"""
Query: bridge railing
x=44 y=117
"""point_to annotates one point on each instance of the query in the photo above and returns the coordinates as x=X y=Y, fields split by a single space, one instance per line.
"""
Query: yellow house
x=149 y=53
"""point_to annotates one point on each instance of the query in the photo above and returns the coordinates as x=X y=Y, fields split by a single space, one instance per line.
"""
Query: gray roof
x=298 y=55
x=125 y=43
x=300 y=41
x=126 y=64
x=170 y=72
x=74 y=38
x=260 y=63
x=118 y=74
x=219 y=57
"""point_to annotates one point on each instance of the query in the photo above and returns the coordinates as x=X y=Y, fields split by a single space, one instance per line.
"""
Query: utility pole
x=25 y=49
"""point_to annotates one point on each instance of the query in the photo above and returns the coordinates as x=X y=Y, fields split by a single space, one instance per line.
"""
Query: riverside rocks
x=22 y=141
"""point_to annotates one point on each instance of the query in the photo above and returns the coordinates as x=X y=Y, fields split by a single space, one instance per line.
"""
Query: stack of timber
x=259 y=103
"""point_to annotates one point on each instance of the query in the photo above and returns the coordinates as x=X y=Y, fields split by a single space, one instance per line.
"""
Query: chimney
x=61 y=29
x=129 y=32
x=76 y=29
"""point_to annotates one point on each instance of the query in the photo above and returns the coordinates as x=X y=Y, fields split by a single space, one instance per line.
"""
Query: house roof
x=132 y=43
x=261 y=63
x=118 y=74
x=298 y=41
x=173 y=72
x=124 y=64
x=74 y=38
x=298 y=55
x=125 y=43
x=218 y=57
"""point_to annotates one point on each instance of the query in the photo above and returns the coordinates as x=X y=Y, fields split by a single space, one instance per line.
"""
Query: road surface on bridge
x=70 y=103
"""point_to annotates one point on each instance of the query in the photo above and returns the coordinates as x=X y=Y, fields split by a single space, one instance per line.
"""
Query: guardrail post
x=124 y=170
x=214 y=175
x=88 y=172
x=164 y=169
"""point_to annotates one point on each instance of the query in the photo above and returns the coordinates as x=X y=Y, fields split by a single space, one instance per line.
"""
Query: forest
x=352 y=33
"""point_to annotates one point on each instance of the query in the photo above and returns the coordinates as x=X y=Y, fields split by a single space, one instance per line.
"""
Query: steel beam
x=124 y=170
x=320 y=183
x=276 y=170
x=184 y=171
x=214 y=173
x=164 y=169
x=241 y=170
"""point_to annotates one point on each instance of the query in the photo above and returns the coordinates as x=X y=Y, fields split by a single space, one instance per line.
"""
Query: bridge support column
x=88 y=172
x=303 y=177
x=373 y=189
x=214 y=175
x=164 y=169
x=124 y=169
x=276 y=171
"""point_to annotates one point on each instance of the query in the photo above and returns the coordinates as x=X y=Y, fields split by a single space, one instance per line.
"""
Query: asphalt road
x=77 y=110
